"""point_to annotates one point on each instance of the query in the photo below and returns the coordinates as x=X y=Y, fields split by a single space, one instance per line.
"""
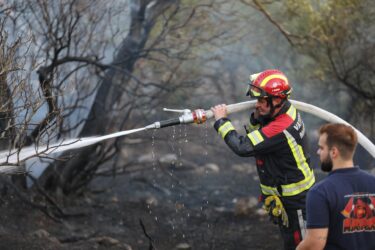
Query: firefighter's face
x=262 y=106
x=324 y=153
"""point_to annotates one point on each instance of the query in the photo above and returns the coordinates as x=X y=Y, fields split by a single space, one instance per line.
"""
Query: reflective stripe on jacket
x=279 y=148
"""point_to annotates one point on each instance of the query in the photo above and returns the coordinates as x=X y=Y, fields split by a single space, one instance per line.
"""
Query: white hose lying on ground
x=10 y=159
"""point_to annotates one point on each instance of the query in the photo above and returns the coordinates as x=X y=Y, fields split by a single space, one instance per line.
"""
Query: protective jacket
x=279 y=149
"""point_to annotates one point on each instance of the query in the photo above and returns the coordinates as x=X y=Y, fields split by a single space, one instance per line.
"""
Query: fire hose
x=10 y=159
x=200 y=116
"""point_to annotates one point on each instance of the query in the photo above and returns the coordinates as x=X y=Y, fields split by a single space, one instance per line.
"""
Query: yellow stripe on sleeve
x=225 y=129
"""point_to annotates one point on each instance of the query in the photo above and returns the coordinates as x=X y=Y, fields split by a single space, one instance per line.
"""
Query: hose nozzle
x=197 y=116
x=155 y=125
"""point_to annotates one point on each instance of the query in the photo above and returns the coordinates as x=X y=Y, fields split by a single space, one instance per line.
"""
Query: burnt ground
x=175 y=191
x=142 y=209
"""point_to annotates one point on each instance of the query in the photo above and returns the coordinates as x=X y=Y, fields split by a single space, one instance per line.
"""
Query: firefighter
x=276 y=137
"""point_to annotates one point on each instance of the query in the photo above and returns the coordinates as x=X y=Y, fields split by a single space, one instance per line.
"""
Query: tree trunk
x=70 y=176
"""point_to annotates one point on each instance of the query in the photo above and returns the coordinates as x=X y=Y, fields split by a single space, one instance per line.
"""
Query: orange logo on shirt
x=359 y=214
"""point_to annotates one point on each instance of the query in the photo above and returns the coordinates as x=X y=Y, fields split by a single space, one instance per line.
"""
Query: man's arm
x=315 y=239
x=241 y=145
x=251 y=144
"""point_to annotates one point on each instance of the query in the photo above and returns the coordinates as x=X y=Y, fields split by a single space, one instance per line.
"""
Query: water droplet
x=156 y=218
x=153 y=150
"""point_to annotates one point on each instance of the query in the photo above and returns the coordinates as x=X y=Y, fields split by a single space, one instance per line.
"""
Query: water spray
x=11 y=158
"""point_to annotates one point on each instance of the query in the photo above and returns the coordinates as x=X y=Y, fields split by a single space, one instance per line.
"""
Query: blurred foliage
x=189 y=54
x=337 y=37
x=184 y=48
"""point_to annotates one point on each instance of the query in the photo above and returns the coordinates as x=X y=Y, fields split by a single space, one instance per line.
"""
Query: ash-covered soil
x=147 y=209
x=186 y=193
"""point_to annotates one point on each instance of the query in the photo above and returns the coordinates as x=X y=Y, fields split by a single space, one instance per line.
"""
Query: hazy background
x=76 y=68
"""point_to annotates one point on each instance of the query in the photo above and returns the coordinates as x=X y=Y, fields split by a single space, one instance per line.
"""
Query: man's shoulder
x=366 y=173
x=366 y=178
x=324 y=184
x=277 y=126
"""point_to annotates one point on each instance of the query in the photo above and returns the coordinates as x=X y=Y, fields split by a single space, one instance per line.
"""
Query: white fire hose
x=308 y=108
x=9 y=160
x=200 y=116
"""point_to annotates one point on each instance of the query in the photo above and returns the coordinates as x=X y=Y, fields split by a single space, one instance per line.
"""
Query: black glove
x=254 y=121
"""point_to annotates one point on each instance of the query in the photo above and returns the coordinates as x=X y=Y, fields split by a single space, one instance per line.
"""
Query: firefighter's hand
x=220 y=111
x=254 y=118
x=256 y=114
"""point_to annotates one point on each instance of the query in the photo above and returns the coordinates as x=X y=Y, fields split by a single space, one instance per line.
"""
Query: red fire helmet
x=269 y=83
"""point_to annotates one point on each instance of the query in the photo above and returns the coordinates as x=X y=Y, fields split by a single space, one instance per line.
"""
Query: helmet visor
x=255 y=91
